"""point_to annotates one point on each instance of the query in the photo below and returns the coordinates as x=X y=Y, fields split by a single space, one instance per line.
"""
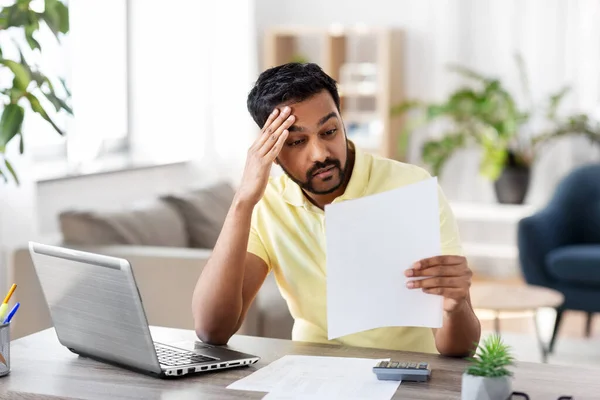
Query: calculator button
x=394 y=364
x=382 y=364
x=403 y=365
x=423 y=366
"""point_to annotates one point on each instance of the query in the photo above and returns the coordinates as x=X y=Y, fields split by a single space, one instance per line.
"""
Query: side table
x=498 y=297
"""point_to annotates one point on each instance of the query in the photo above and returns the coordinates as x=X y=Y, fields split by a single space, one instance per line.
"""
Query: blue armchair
x=559 y=246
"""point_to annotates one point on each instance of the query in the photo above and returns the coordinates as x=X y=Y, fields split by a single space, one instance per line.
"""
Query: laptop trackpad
x=220 y=352
x=190 y=345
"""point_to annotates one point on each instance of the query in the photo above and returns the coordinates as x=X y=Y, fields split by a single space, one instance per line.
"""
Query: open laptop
x=97 y=312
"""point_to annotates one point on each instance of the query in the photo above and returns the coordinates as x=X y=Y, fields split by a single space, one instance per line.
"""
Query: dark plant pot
x=511 y=187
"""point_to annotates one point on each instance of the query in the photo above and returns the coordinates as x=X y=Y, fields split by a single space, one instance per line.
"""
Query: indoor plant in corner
x=488 y=376
x=484 y=113
x=24 y=87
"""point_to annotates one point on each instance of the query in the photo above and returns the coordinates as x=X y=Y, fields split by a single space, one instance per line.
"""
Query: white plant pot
x=482 y=388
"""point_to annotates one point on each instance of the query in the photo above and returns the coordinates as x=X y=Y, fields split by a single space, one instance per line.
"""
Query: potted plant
x=28 y=89
x=488 y=377
x=485 y=114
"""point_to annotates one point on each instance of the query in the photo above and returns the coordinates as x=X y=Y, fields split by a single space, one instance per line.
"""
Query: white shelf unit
x=334 y=55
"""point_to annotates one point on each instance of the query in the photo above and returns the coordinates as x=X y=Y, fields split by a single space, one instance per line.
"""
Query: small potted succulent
x=488 y=376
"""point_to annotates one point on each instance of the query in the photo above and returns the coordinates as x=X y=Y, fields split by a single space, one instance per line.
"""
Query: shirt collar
x=292 y=193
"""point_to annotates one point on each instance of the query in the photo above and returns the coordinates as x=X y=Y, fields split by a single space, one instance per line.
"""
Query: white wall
x=559 y=39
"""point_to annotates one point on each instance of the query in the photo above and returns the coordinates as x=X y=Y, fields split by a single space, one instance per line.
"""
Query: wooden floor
x=572 y=325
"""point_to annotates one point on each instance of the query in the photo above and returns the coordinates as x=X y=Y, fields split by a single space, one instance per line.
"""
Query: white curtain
x=232 y=70
x=192 y=64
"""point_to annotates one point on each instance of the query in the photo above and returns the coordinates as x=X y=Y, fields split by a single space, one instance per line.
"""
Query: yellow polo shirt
x=288 y=233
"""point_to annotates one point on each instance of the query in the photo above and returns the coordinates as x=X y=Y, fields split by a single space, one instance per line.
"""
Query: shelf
x=498 y=251
x=362 y=90
x=360 y=117
x=367 y=143
x=332 y=29
x=375 y=85
x=491 y=212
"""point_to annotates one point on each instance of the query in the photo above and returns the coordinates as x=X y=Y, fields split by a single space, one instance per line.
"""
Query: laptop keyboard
x=170 y=356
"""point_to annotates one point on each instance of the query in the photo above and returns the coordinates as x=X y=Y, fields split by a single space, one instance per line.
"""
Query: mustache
x=323 y=164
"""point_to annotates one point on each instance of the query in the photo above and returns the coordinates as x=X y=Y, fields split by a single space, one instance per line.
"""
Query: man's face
x=315 y=152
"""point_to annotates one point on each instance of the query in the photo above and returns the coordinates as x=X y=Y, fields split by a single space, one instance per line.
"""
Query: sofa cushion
x=149 y=223
x=578 y=264
x=204 y=211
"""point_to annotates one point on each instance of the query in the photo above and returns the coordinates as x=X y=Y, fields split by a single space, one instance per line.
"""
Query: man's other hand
x=447 y=276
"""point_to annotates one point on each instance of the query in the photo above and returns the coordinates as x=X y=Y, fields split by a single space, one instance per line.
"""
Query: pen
x=4 y=306
x=12 y=312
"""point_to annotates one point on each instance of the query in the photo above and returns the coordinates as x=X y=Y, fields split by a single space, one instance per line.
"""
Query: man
x=277 y=224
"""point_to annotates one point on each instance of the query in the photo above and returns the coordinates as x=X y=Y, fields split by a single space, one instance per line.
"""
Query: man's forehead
x=321 y=101
x=312 y=110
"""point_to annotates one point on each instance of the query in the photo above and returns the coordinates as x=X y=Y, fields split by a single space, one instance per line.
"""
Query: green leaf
x=467 y=72
x=37 y=107
x=58 y=102
x=56 y=16
x=64 y=85
x=51 y=17
x=437 y=152
x=10 y=123
x=11 y=170
x=23 y=60
x=3 y=21
x=40 y=79
x=22 y=77
x=15 y=94
x=493 y=359
x=21 y=143
x=403 y=144
x=435 y=110
x=17 y=15
x=3 y=176
x=555 y=101
x=405 y=106
x=63 y=13
x=33 y=43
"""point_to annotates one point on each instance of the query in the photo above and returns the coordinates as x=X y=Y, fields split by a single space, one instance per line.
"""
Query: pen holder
x=4 y=349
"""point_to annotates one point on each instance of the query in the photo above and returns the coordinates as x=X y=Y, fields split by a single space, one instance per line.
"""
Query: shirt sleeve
x=255 y=243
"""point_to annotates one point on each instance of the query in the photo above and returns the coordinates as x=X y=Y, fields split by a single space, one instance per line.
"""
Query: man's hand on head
x=262 y=154
x=447 y=276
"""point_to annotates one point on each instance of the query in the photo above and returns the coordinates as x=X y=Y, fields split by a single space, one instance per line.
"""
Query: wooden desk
x=42 y=369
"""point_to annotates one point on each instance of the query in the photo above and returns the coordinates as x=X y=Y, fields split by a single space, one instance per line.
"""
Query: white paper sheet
x=308 y=377
x=371 y=241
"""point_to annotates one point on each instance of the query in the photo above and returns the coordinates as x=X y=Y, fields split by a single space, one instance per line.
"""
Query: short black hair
x=288 y=82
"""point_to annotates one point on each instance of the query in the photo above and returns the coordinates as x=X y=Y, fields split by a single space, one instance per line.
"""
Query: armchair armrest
x=537 y=235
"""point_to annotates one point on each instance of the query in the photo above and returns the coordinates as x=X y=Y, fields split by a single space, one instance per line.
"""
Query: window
x=93 y=60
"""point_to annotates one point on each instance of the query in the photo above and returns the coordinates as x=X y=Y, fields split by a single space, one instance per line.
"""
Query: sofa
x=167 y=240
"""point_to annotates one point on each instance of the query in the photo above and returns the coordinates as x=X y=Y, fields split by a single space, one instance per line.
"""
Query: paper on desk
x=371 y=241
x=308 y=377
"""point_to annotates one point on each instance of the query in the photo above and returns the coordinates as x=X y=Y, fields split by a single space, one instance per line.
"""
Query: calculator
x=402 y=371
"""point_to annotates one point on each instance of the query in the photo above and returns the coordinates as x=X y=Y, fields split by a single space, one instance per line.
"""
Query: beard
x=308 y=184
